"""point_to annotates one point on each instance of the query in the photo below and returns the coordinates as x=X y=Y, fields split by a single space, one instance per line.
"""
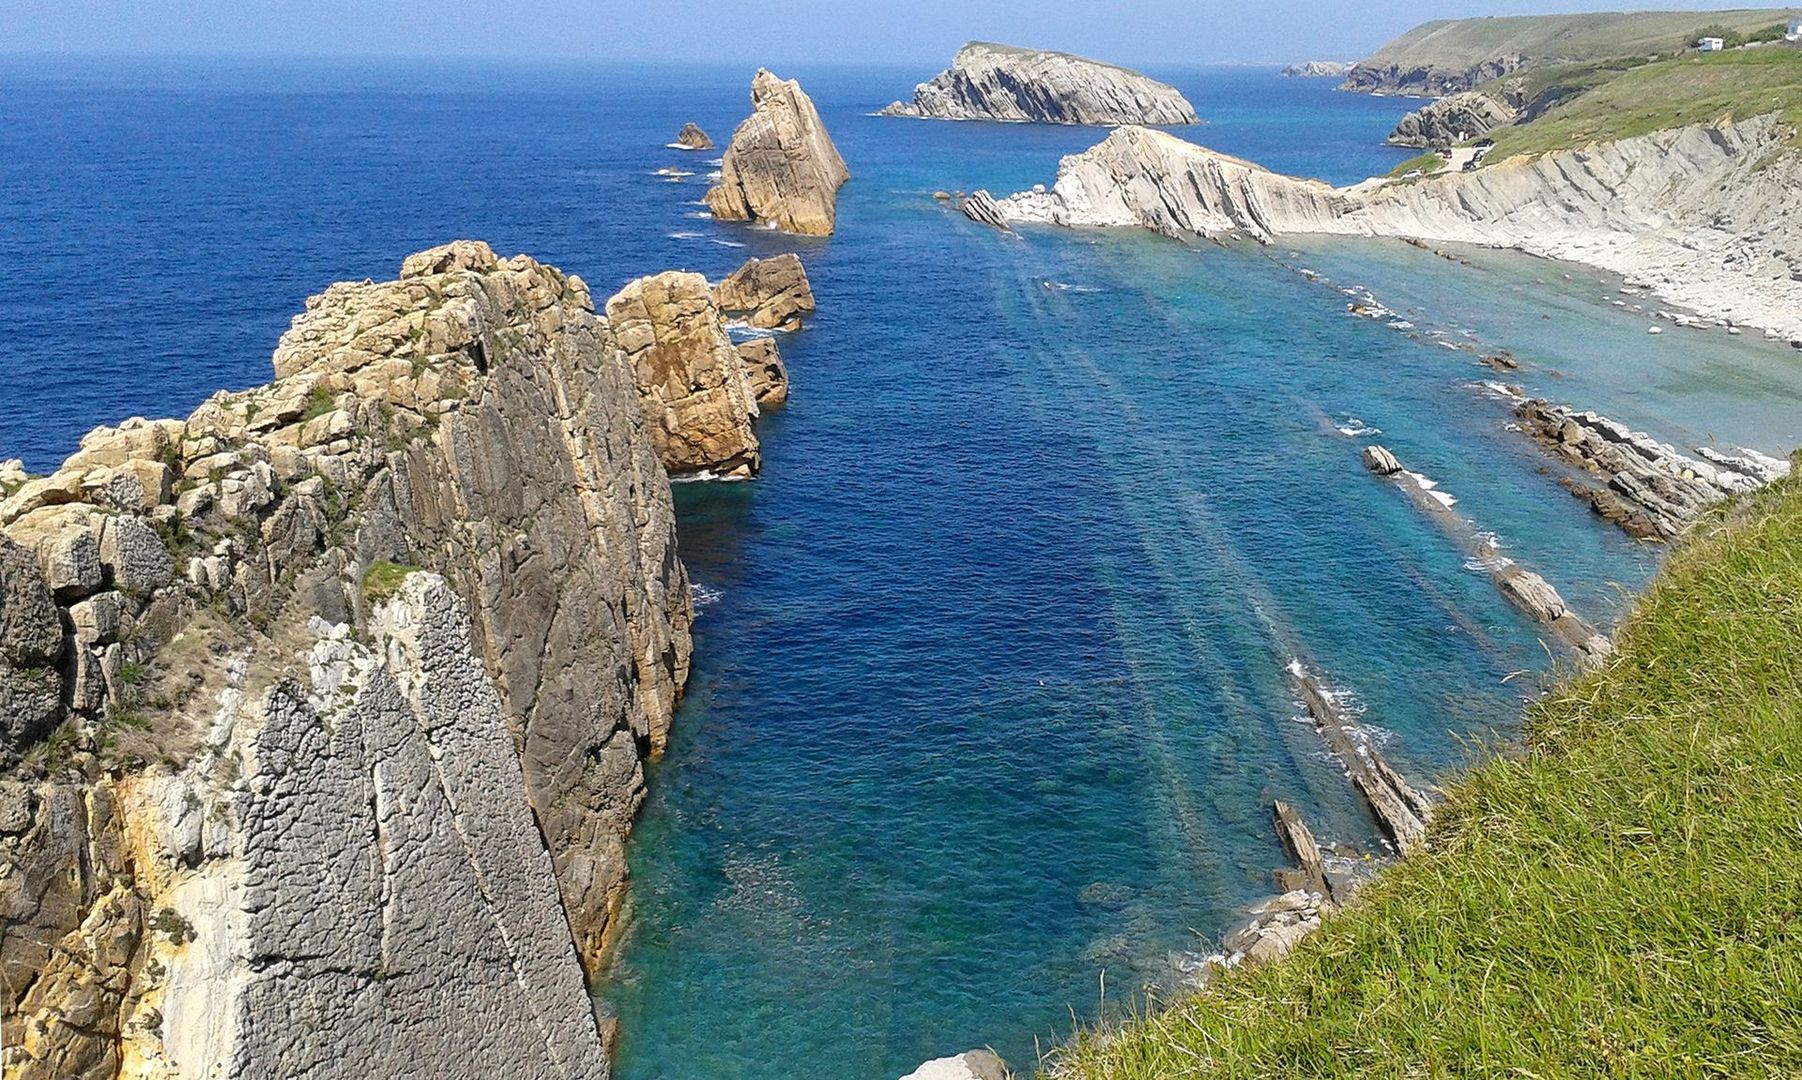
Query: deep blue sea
x=988 y=703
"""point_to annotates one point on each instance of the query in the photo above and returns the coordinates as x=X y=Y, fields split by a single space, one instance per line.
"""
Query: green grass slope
x=1623 y=901
x=1694 y=89
x=1457 y=44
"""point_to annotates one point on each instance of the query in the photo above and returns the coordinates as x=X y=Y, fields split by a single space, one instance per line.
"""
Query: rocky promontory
x=333 y=699
x=1708 y=215
x=1002 y=82
x=781 y=168
x=1451 y=120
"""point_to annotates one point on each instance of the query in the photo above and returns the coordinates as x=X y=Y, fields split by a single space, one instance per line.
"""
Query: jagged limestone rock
x=767 y=293
x=1451 y=120
x=698 y=403
x=31 y=642
x=1318 y=69
x=1002 y=82
x=781 y=167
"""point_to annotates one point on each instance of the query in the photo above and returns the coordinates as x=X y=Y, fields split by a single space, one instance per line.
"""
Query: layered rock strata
x=691 y=137
x=1650 y=489
x=1526 y=590
x=1451 y=120
x=769 y=293
x=699 y=405
x=781 y=168
x=1002 y=82
x=1402 y=811
x=1708 y=216
x=354 y=677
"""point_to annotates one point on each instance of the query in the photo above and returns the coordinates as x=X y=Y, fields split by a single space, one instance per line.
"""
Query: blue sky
x=762 y=31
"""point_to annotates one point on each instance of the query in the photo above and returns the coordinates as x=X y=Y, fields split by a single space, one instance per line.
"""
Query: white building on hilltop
x=1711 y=44
x=1795 y=31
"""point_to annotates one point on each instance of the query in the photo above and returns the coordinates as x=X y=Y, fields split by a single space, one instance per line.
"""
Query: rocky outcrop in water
x=1650 y=489
x=1523 y=588
x=1002 y=82
x=781 y=167
x=767 y=293
x=698 y=403
x=1707 y=216
x=691 y=137
x=970 y=1065
x=1451 y=120
x=1318 y=69
x=354 y=677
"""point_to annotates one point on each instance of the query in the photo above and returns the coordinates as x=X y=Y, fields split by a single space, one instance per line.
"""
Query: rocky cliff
x=1707 y=216
x=781 y=167
x=767 y=293
x=1001 y=82
x=1451 y=120
x=326 y=707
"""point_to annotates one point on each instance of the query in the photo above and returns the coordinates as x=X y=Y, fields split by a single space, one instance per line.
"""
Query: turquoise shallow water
x=988 y=703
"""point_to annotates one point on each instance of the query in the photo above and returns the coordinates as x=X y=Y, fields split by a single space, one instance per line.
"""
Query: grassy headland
x=1606 y=103
x=1625 y=899
x=1457 y=44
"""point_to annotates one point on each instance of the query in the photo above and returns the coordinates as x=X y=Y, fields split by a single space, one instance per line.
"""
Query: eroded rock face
x=781 y=167
x=767 y=375
x=31 y=643
x=698 y=404
x=1451 y=120
x=691 y=137
x=767 y=293
x=1318 y=69
x=1002 y=82
x=228 y=753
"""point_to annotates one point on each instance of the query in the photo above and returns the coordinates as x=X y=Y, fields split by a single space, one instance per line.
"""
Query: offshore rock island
x=1005 y=83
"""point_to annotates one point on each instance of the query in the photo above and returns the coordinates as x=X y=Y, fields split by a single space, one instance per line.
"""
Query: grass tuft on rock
x=383 y=579
x=1624 y=900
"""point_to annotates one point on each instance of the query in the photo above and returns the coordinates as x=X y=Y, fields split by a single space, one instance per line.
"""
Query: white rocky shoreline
x=1708 y=217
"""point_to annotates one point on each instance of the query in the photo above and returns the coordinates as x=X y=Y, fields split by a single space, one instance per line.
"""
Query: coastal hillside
x=1618 y=901
x=1448 y=56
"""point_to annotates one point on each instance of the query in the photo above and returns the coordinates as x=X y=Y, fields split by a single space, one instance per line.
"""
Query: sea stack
x=691 y=137
x=781 y=168
x=1002 y=82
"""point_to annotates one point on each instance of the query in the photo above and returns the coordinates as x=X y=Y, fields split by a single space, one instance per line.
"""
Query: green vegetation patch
x=1429 y=163
x=383 y=579
x=1657 y=97
x=1625 y=900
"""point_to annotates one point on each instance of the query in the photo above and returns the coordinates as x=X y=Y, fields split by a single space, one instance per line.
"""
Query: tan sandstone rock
x=764 y=369
x=698 y=404
x=781 y=167
x=767 y=293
